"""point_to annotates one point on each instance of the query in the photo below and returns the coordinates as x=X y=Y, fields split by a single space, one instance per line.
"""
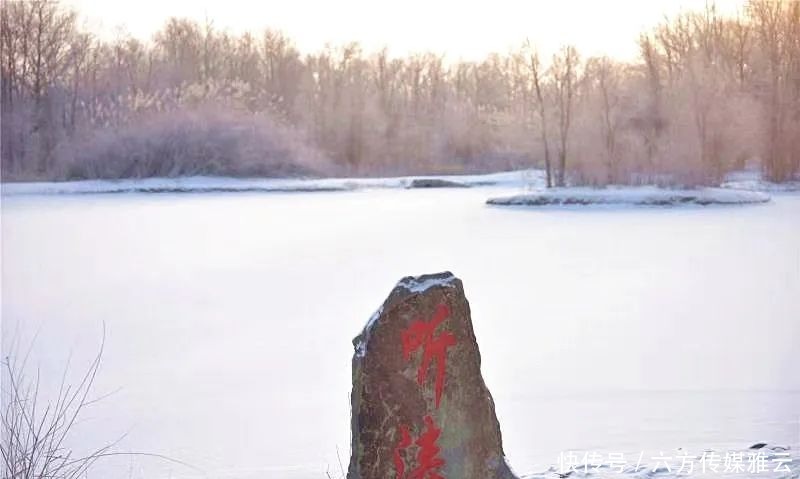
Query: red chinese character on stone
x=420 y=334
x=405 y=441
x=428 y=460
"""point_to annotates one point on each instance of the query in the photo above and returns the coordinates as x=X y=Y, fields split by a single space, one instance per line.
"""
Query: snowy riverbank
x=632 y=196
x=525 y=188
x=212 y=184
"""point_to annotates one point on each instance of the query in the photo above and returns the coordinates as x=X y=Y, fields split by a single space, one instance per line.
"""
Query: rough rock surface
x=420 y=408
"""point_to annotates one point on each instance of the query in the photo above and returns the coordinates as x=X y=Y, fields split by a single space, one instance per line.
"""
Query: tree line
x=709 y=94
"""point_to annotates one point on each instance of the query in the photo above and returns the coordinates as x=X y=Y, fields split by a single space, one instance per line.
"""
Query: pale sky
x=467 y=29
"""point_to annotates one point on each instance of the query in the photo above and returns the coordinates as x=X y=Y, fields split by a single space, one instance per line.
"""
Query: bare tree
x=535 y=71
x=36 y=36
x=650 y=122
x=10 y=46
x=738 y=46
x=700 y=62
x=564 y=72
x=776 y=24
x=604 y=77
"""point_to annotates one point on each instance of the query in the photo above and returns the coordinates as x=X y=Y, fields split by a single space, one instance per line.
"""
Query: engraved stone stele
x=420 y=408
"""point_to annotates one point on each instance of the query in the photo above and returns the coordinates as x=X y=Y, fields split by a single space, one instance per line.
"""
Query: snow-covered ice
x=230 y=317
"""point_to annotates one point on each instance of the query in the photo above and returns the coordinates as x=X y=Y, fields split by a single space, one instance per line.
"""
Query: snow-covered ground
x=230 y=318
x=751 y=180
x=632 y=196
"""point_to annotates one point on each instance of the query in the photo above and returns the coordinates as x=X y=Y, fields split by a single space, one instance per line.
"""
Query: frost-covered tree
x=708 y=94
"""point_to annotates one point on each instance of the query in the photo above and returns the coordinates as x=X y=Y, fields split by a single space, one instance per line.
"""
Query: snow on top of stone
x=361 y=346
x=420 y=284
x=414 y=284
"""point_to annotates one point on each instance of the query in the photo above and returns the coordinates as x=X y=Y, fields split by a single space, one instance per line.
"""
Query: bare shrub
x=36 y=430
x=34 y=433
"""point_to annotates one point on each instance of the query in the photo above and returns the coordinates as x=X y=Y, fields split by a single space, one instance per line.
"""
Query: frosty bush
x=205 y=141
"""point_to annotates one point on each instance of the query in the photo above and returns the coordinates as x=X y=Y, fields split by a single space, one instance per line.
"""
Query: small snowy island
x=631 y=196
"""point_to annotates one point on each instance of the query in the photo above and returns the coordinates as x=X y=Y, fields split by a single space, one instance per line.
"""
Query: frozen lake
x=230 y=317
